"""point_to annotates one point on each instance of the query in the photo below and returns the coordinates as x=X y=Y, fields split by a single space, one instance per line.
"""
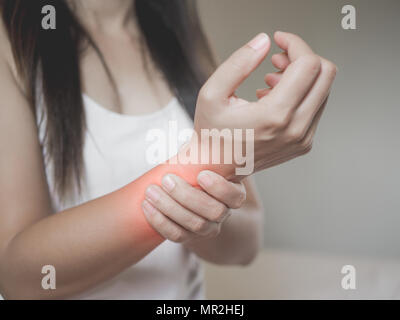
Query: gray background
x=344 y=197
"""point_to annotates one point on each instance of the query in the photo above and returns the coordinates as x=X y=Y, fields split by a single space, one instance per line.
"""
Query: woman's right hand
x=286 y=116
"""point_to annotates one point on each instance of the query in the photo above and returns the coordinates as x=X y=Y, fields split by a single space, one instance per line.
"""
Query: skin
x=95 y=241
x=300 y=125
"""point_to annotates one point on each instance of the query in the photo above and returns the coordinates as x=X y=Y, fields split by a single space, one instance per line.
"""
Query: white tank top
x=114 y=155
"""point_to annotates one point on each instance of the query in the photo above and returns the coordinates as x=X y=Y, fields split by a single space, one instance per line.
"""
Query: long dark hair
x=49 y=59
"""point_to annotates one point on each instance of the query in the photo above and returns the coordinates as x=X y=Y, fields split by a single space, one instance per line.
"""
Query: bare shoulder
x=7 y=61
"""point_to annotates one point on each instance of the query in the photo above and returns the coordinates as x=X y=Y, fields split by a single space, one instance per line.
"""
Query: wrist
x=200 y=154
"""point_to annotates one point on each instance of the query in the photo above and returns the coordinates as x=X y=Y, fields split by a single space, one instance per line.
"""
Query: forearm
x=239 y=241
x=86 y=244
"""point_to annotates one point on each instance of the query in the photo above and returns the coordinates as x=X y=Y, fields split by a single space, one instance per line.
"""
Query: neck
x=103 y=14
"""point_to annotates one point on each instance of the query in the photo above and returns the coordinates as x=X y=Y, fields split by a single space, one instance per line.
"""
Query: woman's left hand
x=181 y=213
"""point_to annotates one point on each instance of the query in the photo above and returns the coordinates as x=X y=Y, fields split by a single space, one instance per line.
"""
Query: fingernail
x=259 y=42
x=168 y=183
x=152 y=193
x=205 y=179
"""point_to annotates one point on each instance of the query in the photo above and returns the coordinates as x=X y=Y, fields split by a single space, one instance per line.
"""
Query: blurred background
x=340 y=204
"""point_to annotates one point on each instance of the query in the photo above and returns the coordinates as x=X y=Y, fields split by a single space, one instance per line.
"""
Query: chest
x=123 y=79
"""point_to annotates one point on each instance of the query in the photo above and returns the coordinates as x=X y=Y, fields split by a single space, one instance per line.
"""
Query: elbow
x=20 y=296
x=13 y=291
x=9 y=294
x=17 y=282
x=11 y=284
x=10 y=290
x=15 y=285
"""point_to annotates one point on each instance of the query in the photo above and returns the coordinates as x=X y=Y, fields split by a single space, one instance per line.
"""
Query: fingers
x=178 y=211
x=280 y=60
x=232 y=194
x=309 y=136
x=164 y=226
x=298 y=77
x=186 y=219
x=272 y=79
x=314 y=125
x=292 y=44
x=227 y=78
x=193 y=199
x=308 y=109
x=262 y=92
x=309 y=103
x=294 y=84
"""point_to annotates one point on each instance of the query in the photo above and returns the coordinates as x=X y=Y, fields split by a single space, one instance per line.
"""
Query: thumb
x=231 y=73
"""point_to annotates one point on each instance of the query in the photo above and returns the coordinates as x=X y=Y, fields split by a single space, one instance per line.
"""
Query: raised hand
x=286 y=115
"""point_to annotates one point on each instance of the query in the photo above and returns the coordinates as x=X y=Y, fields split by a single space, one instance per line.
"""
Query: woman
x=79 y=101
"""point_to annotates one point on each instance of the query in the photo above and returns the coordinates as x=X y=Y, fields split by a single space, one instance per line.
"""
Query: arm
x=93 y=242
x=86 y=244
x=217 y=222
x=202 y=220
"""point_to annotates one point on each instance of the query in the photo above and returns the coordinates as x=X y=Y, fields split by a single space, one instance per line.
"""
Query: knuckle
x=279 y=120
x=218 y=213
x=279 y=101
x=311 y=62
x=330 y=68
x=243 y=196
x=294 y=135
x=198 y=225
x=239 y=200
